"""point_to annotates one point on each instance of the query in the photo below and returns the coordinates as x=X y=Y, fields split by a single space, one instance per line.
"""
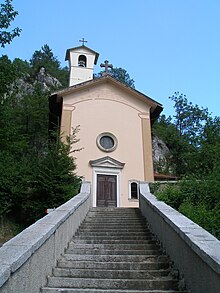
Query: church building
x=114 y=123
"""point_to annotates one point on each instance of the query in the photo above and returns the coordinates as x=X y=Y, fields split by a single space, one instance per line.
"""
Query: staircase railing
x=195 y=252
x=27 y=259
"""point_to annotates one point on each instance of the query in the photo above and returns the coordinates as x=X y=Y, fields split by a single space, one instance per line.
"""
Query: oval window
x=107 y=142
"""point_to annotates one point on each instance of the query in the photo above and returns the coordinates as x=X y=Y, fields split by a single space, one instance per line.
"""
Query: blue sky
x=165 y=45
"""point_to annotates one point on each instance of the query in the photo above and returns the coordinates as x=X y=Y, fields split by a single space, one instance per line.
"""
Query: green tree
x=189 y=119
x=46 y=59
x=8 y=74
x=53 y=181
x=37 y=174
x=199 y=200
x=208 y=155
x=7 y=15
x=121 y=75
x=184 y=135
x=22 y=67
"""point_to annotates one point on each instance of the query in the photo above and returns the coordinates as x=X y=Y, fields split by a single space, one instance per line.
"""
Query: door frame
x=106 y=171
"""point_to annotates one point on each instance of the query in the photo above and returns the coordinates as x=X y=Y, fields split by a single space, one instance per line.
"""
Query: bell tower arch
x=81 y=63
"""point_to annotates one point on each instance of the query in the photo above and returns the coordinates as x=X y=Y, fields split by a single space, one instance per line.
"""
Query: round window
x=107 y=142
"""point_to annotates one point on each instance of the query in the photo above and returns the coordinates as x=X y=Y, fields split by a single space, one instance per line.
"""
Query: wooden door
x=106 y=190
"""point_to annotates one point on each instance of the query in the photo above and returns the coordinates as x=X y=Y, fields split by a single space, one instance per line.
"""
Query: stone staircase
x=113 y=251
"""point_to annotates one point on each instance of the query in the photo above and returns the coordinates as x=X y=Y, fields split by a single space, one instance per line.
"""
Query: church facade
x=114 y=123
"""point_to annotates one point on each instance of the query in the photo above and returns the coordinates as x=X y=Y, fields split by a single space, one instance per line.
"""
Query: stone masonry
x=113 y=251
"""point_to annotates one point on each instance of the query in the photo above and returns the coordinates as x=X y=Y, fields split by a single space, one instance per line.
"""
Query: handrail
x=195 y=252
x=28 y=258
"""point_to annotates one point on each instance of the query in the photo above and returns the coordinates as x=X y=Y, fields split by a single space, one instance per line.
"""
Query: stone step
x=116 y=211
x=162 y=283
x=116 y=237
x=113 y=233
x=109 y=274
x=148 y=265
x=117 y=246
x=110 y=216
x=114 y=228
x=104 y=226
x=113 y=215
x=113 y=251
x=115 y=258
x=75 y=290
x=115 y=221
x=100 y=252
x=113 y=241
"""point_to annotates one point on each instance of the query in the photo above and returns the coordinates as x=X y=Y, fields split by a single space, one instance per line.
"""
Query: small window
x=133 y=189
x=82 y=61
x=107 y=142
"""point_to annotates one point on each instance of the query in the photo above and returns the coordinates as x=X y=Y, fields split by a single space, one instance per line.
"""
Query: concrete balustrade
x=195 y=252
x=27 y=259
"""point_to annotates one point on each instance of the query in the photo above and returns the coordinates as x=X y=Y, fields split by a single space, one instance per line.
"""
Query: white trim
x=107 y=162
x=129 y=189
x=105 y=171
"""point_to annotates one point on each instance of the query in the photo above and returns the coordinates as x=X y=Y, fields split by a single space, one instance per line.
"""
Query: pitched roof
x=82 y=47
x=156 y=108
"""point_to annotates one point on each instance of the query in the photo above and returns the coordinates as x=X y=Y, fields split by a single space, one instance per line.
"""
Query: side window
x=82 y=61
x=133 y=190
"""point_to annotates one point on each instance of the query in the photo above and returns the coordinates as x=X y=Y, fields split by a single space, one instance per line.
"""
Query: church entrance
x=106 y=190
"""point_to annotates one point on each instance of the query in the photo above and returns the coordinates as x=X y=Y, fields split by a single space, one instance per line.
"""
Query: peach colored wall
x=105 y=108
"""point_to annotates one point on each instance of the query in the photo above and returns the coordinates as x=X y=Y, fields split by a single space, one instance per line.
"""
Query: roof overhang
x=156 y=108
x=82 y=47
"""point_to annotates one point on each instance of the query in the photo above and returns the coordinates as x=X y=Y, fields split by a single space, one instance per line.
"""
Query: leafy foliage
x=7 y=15
x=38 y=174
x=199 y=200
x=189 y=119
x=53 y=181
x=193 y=137
x=44 y=58
x=8 y=74
x=187 y=136
x=121 y=75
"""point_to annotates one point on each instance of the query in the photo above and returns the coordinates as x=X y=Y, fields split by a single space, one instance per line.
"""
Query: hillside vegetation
x=36 y=172
x=193 y=139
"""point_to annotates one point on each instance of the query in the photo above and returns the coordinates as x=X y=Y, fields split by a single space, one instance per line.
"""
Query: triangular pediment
x=107 y=162
x=155 y=107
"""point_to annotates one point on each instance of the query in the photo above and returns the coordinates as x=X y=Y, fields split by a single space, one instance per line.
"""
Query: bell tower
x=81 y=63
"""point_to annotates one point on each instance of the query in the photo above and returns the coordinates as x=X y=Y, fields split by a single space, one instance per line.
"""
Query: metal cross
x=83 y=41
x=107 y=66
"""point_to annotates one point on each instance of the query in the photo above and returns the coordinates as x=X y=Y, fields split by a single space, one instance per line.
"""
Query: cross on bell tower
x=83 y=41
x=107 y=66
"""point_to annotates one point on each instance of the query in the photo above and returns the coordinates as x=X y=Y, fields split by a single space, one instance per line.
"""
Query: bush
x=200 y=214
x=198 y=200
x=171 y=194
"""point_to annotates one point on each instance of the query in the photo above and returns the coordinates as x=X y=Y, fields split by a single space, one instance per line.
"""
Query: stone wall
x=27 y=259
x=195 y=252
